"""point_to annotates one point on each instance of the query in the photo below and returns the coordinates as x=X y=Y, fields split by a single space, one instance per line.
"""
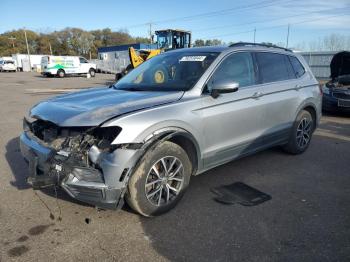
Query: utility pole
x=287 y=36
x=25 y=35
x=150 y=33
x=254 y=34
x=50 y=48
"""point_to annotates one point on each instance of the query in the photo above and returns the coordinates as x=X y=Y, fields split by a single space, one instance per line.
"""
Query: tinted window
x=273 y=67
x=297 y=66
x=237 y=67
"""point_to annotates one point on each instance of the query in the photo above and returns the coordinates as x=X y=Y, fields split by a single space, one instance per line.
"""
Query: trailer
x=20 y=59
x=114 y=59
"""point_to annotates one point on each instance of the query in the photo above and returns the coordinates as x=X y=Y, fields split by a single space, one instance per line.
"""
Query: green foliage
x=209 y=42
x=69 y=41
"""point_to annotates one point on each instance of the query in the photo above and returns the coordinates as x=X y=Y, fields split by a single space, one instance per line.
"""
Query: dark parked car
x=336 y=92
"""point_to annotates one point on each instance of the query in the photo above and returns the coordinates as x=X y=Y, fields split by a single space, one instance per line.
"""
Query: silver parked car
x=176 y=115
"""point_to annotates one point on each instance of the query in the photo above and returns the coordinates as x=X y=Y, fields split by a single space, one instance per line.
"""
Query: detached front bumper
x=103 y=187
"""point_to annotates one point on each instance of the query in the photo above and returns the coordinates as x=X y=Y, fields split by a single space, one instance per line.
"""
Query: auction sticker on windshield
x=193 y=58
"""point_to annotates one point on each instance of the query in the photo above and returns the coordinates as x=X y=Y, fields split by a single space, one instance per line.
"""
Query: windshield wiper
x=129 y=89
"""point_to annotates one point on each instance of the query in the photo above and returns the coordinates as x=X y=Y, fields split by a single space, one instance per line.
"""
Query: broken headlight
x=105 y=136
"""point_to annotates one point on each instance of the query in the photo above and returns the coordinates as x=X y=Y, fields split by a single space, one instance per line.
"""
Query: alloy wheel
x=304 y=132
x=164 y=181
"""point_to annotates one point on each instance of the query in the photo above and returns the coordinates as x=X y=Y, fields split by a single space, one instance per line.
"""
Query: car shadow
x=336 y=114
x=201 y=229
x=284 y=228
x=17 y=164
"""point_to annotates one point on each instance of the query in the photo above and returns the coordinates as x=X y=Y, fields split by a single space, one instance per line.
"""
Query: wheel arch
x=312 y=109
x=59 y=70
x=180 y=137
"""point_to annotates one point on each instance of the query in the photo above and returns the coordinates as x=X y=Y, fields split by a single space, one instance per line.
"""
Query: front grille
x=341 y=95
x=48 y=131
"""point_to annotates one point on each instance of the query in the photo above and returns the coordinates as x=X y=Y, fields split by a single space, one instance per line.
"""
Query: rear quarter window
x=273 y=67
x=298 y=68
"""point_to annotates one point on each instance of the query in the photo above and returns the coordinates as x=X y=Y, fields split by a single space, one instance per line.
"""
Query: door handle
x=297 y=87
x=257 y=95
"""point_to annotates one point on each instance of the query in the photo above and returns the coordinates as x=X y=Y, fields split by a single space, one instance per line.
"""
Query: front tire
x=301 y=133
x=160 y=180
x=92 y=72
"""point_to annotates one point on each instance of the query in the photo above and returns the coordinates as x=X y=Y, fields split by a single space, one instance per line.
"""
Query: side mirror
x=223 y=86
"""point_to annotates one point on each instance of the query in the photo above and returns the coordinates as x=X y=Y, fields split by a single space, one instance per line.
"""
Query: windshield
x=170 y=71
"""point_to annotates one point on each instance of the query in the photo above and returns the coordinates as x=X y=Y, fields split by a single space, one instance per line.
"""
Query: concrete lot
x=307 y=219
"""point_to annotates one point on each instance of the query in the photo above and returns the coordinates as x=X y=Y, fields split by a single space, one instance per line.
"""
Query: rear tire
x=160 y=180
x=301 y=133
x=61 y=73
x=92 y=72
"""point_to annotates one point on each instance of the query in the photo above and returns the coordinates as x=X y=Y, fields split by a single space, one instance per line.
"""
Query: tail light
x=321 y=90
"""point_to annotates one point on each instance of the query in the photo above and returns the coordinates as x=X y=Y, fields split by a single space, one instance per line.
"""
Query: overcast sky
x=223 y=19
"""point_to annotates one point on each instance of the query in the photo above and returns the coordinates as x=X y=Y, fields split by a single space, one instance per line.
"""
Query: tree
x=332 y=42
x=199 y=42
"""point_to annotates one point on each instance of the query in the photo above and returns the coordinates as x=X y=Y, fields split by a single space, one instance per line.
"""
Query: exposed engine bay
x=342 y=81
x=70 y=149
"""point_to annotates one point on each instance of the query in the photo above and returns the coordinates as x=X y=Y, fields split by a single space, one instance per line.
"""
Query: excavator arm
x=136 y=59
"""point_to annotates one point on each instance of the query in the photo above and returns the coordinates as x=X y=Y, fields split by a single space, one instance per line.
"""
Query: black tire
x=128 y=69
x=92 y=72
x=61 y=73
x=136 y=194
x=118 y=76
x=295 y=145
x=158 y=75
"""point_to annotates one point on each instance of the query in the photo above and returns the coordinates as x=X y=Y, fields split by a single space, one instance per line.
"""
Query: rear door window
x=273 y=67
x=297 y=66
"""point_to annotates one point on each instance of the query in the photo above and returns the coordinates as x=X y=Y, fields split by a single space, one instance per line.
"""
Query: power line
x=258 y=5
x=268 y=20
x=222 y=12
x=273 y=27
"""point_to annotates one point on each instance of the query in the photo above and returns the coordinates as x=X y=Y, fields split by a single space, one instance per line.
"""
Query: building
x=319 y=63
x=114 y=59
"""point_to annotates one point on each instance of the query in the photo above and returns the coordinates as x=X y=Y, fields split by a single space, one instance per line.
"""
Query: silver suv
x=177 y=115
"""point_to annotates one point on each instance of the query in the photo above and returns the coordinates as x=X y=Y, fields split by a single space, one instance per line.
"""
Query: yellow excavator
x=167 y=39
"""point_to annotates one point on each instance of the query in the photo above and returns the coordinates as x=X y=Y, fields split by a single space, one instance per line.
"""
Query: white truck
x=66 y=65
x=35 y=60
x=7 y=64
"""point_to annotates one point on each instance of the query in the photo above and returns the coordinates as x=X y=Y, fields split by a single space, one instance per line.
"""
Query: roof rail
x=258 y=44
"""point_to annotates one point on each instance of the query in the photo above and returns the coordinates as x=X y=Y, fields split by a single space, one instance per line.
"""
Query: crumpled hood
x=94 y=106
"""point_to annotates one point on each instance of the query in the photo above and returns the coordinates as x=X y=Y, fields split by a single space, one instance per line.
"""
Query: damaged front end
x=82 y=160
